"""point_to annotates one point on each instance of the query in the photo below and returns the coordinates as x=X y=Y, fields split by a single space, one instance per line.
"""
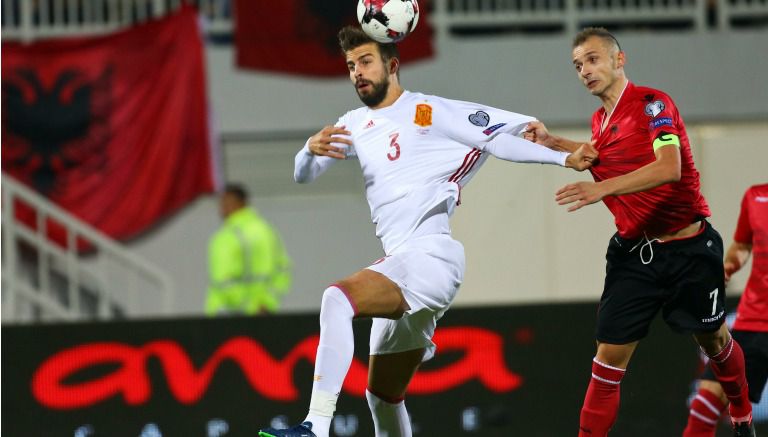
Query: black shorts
x=683 y=278
x=755 y=347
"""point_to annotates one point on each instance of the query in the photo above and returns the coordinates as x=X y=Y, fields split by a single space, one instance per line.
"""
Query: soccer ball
x=388 y=21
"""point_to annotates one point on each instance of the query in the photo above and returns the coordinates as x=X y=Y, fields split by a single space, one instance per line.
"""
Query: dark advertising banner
x=499 y=371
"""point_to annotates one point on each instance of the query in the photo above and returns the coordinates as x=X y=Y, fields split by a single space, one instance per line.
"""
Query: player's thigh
x=428 y=271
x=627 y=308
x=390 y=374
x=631 y=296
x=697 y=286
x=374 y=295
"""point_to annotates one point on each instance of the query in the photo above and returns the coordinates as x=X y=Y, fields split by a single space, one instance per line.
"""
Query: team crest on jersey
x=480 y=118
x=423 y=116
x=654 y=108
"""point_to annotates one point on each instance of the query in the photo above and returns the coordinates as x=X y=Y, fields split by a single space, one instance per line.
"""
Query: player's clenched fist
x=331 y=141
x=583 y=158
x=536 y=132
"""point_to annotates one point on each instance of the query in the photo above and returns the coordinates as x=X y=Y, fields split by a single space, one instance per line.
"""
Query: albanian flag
x=113 y=128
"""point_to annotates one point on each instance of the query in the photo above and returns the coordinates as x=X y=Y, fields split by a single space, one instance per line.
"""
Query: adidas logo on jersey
x=370 y=124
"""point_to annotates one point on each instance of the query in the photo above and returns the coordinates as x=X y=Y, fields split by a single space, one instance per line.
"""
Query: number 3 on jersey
x=394 y=147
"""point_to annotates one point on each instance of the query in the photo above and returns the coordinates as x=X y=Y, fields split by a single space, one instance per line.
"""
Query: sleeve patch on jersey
x=665 y=140
x=480 y=118
x=654 y=108
x=657 y=123
x=494 y=128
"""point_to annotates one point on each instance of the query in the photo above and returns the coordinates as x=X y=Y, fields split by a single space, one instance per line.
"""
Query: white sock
x=389 y=420
x=321 y=425
x=334 y=356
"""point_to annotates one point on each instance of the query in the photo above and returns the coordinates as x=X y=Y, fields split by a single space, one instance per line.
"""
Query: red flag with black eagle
x=299 y=36
x=112 y=128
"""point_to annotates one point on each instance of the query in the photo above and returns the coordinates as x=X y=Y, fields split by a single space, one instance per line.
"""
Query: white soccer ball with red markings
x=388 y=21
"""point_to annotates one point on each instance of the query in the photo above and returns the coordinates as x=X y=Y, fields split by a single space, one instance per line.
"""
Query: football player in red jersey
x=665 y=255
x=750 y=328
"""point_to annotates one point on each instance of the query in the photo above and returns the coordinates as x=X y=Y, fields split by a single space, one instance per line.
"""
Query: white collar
x=607 y=118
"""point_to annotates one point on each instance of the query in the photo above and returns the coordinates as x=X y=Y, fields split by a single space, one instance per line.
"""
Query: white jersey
x=418 y=153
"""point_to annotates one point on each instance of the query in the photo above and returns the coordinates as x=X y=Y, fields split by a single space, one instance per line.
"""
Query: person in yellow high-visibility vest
x=249 y=268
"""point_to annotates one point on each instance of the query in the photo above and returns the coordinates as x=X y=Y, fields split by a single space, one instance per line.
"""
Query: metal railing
x=88 y=275
x=27 y=20
x=571 y=15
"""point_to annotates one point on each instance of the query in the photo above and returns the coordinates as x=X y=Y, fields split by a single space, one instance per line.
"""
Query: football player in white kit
x=416 y=152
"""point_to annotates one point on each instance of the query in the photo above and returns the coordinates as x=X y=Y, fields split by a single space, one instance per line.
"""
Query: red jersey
x=752 y=313
x=640 y=117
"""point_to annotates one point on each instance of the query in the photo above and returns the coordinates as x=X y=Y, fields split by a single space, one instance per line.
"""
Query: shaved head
x=606 y=37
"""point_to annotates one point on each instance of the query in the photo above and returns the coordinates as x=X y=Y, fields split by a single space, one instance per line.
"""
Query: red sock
x=601 y=404
x=706 y=409
x=728 y=366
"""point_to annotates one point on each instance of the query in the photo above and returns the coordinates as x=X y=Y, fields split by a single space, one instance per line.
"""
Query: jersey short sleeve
x=743 y=233
x=663 y=118
x=474 y=124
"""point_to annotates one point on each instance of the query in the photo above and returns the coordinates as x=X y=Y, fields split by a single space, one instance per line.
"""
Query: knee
x=615 y=355
x=713 y=342
x=377 y=399
x=714 y=388
x=330 y=295
x=335 y=304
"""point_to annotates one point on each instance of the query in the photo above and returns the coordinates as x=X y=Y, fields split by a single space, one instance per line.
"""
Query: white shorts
x=429 y=270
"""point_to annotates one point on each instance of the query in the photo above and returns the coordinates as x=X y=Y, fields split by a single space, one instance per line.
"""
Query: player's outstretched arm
x=516 y=149
x=320 y=152
x=537 y=132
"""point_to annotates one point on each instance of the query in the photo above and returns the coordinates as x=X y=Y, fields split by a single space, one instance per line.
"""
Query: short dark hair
x=351 y=37
x=237 y=190
x=600 y=32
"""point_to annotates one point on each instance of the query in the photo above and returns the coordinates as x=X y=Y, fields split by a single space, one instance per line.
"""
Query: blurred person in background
x=249 y=268
x=665 y=255
x=750 y=328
